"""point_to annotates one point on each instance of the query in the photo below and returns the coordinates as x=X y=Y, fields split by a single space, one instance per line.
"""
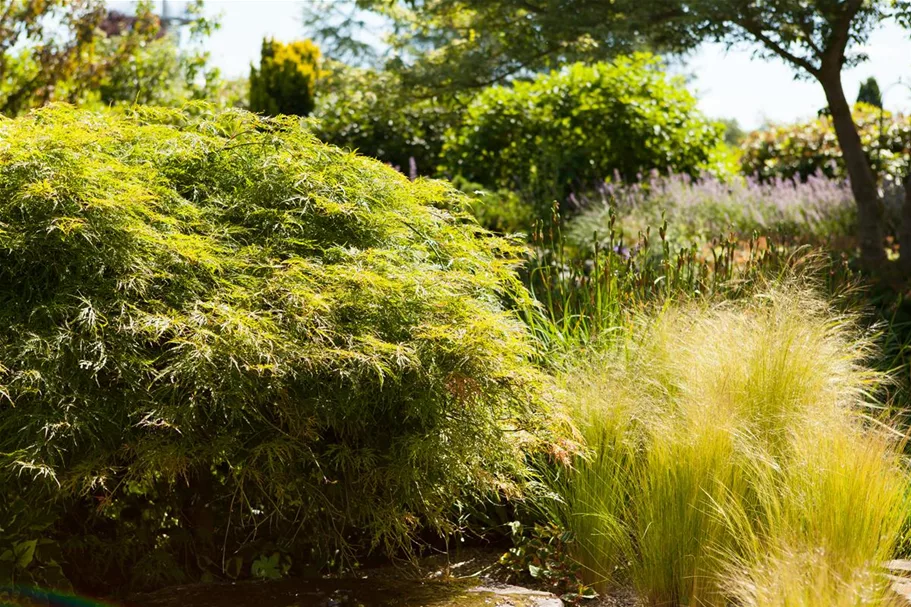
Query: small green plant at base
x=27 y=556
x=271 y=567
x=542 y=555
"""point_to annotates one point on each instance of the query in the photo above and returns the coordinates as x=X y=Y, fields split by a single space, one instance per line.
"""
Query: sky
x=728 y=84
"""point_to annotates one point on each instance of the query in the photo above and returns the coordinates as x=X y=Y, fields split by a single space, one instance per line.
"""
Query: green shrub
x=732 y=459
x=149 y=78
x=803 y=149
x=285 y=82
x=223 y=340
x=572 y=129
x=373 y=113
x=500 y=211
x=869 y=93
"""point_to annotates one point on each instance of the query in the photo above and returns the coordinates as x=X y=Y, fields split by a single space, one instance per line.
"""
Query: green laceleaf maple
x=216 y=329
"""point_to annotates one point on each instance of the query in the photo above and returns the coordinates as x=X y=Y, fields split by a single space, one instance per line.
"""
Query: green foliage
x=576 y=127
x=733 y=133
x=374 y=113
x=542 y=557
x=464 y=43
x=231 y=93
x=731 y=459
x=285 y=82
x=500 y=211
x=588 y=288
x=458 y=43
x=44 y=45
x=272 y=567
x=802 y=149
x=149 y=79
x=94 y=56
x=27 y=556
x=869 y=93
x=155 y=69
x=219 y=332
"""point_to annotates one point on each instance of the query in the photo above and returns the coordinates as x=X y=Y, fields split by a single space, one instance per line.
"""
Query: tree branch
x=841 y=28
x=755 y=30
x=807 y=30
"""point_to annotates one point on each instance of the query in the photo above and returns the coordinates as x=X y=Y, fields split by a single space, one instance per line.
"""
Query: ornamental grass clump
x=221 y=337
x=735 y=457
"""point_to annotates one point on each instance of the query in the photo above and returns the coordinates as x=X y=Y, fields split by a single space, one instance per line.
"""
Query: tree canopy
x=466 y=43
x=479 y=42
x=77 y=50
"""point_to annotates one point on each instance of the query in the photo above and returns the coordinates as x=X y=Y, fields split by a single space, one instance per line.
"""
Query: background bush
x=573 y=128
x=222 y=338
x=372 y=112
x=285 y=82
x=156 y=67
x=803 y=149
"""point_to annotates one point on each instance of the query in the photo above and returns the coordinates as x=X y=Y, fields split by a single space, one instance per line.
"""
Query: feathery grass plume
x=733 y=455
x=217 y=331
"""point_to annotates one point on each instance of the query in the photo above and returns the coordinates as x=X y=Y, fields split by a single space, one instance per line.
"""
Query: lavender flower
x=706 y=207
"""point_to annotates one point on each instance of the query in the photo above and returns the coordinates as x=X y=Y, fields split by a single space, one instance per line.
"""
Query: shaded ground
x=441 y=581
x=469 y=578
x=348 y=593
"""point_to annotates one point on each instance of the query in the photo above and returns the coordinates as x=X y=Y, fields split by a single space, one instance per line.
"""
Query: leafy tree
x=76 y=51
x=733 y=132
x=159 y=71
x=816 y=38
x=451 y=45
x=285 y=81
x=339 y=27
x=496 y=39
x=869 y=93
x=43 y=43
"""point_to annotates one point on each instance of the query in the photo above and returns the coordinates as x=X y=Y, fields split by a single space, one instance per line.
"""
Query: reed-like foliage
x=217 y=330
x=587 y=289
x=735 y=454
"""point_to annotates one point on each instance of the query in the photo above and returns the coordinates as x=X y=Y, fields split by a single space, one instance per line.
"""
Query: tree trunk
x=904 y=231
x=870 y=229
